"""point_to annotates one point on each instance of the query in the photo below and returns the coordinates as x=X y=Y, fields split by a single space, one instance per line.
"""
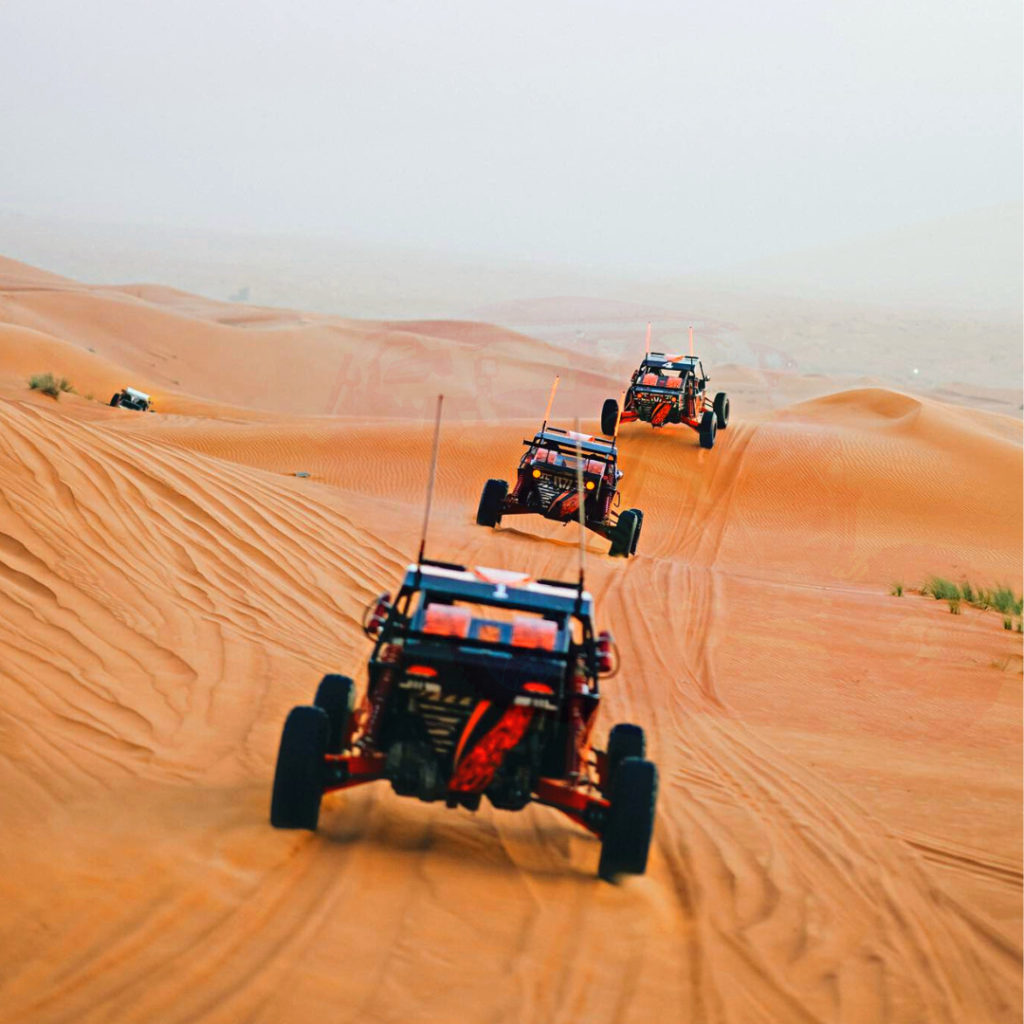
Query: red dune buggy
x=670 y=389
x=546 y=485
x=481 y=683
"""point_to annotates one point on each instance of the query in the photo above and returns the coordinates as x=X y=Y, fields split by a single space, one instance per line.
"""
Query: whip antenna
x=648 y=343
x=618 y=415
x=691 y=339
x=579 y=494
x=551 y=399
x=430 y=484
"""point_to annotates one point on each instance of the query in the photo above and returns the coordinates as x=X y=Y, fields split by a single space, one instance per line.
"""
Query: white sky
x=669 y=135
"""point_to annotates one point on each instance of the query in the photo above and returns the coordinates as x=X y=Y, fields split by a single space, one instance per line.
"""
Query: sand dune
x=838 y=834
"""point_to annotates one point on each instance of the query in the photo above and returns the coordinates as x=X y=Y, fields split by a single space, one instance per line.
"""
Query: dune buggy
x=546 y=485
x=129 y=398
x=670 y=389
x=481 y=683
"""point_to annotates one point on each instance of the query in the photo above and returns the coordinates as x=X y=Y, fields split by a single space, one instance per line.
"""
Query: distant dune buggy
x=129 y=398
x=481 y=683
x=670 y=389
x=546 y=485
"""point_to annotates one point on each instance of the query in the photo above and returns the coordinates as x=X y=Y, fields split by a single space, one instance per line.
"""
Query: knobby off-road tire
x=115 y=401
x=721 y=406
x=609 y=417
x=624 y=740
x=298 y=778
x=630 y=822
x=708 y=429
x=488 y=512
x=623 y=533
x=336 y=696
x=636 y=532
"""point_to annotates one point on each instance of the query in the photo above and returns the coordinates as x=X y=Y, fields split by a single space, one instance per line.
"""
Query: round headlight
x=536 y=472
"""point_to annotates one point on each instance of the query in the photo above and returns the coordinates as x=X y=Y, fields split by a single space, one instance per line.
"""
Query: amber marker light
x=536 y=472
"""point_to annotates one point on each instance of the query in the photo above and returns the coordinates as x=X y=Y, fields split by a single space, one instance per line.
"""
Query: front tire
x=488 y=512
x=708 y=429
x=624 y=533
x=609 y=417
x=721 y=407
x=298 y=778
x=630 y=823
x=115 y=401
x=336 y=697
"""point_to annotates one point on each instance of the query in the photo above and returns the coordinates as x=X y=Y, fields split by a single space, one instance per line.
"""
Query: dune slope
x=838 y=830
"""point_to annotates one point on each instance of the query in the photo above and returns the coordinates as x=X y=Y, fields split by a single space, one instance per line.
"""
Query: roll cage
x=443 y=583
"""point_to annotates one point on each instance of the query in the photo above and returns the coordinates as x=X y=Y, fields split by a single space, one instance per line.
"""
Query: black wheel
x=636 y=532
x=488 y=512
x=623 y=532
x=722 y=410
x=609 y=417
x=115 y=401
x=298 y=778
x=708 y=429
x=630 y=822
x=625 y=740
x=336 y=695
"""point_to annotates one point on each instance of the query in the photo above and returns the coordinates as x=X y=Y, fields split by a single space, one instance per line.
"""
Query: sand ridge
x=837 y=835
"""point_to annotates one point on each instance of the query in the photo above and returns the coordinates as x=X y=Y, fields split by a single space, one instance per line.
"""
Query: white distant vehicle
x=129 y=398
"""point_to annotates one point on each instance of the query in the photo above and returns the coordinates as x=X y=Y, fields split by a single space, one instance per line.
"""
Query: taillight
x=373 y=620
x=605 y=646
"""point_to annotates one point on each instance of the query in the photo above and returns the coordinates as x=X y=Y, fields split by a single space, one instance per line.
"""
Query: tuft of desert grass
x=896 y=589
x=49 y=384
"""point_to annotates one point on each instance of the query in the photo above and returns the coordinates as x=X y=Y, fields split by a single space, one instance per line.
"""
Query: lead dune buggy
x=670 y=389
x=546 y=485
x=481 y=683
x=129 y=398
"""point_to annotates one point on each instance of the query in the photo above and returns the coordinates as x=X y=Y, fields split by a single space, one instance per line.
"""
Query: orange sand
x=838 y=836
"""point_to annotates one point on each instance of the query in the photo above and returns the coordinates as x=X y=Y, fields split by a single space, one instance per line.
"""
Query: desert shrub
x=49 y=385
x=1007 y=622
x=1003 y=600
x=941 y=589
x=954 y=606
x=896 y=590
x=967 y=592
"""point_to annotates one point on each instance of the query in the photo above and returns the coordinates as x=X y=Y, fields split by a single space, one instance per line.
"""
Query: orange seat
x=650 y=378
x=595 y=467
x=539 y=633
x=446 y=620
x=674 y=382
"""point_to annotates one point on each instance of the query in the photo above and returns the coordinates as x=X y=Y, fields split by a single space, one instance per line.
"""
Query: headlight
x=536 y=472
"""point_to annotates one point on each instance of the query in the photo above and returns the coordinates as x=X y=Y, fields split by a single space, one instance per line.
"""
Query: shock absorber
x=576 y=722
x=379 y=694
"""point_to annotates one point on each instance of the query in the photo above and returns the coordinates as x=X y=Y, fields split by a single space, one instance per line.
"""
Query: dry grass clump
x=49 y=384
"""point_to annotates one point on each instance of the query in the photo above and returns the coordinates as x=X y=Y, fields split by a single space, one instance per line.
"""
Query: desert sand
x=839 y=832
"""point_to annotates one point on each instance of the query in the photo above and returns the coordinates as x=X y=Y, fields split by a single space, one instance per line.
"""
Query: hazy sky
x=670 y=135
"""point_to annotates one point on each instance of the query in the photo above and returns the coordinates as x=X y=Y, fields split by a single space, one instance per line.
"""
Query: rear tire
x=609 y=417
x=336 y=696
x=488 y=512
x=624 y=533
x=115 y=401
x=630 y=823
x=708 y=429
x=624 y=740
x=298 y=778
x=636 y=533
x=721 y=406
